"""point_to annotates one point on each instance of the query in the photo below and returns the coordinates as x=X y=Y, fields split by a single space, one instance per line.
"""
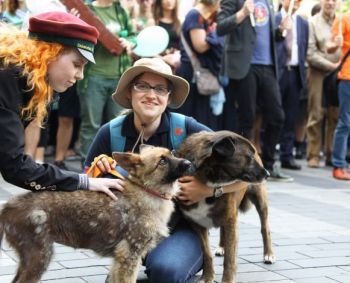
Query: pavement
x=310 y=223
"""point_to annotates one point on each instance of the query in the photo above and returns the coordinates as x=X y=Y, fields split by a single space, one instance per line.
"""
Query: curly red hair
x=33 y=58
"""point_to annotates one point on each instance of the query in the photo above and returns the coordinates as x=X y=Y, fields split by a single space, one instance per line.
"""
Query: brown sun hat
x=180 y=86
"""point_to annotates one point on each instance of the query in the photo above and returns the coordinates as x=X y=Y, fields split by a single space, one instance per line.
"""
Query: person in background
x=341 y=39
x=101 y=79
x=320 y=63
x=199 y=32
x=165 y=14
x=291 y=58
x=50 y=58
x=250 y=63
x=14 y=12
x=144 y=17
x=148 y=89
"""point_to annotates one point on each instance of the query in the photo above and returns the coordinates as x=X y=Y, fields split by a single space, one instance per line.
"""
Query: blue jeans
x=342 y=131
x=176 y=259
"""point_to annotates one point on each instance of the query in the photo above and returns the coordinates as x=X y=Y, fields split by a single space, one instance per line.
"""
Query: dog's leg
x=258 y=197
x=220 y=248
x=208 y=267
x=34 y=259
x=230 y=247
x=126 y=264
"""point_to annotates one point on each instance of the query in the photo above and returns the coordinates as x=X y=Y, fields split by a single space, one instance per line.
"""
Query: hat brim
x=178 y=94
x=87 y=55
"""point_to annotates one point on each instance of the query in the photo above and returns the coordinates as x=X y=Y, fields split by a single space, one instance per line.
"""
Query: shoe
x=341 y=174
x=299 y=150
x=290 y=164
x=313 y=162
x=60 y=164
x=277 y=176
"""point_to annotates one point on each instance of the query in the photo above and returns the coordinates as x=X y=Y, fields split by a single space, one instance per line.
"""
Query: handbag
x=207 y=83
x=330 y=85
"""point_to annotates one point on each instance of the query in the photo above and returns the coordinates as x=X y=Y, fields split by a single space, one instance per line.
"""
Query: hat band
x=78 y=43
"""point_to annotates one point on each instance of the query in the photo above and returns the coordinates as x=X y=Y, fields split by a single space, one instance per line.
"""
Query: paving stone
x=86 y=262
x=341 y=278
x=69 y=256
x=316 y=280
x=319 y=262
x=75 y=272
x=310 y=272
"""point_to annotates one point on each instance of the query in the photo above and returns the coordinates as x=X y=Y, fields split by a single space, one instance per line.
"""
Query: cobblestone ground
x=310 y=223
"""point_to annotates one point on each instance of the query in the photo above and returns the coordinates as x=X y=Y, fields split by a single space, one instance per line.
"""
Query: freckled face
x=66 y=70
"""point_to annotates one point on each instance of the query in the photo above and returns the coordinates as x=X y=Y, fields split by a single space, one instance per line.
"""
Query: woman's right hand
x=105 y=165
x=105 y=185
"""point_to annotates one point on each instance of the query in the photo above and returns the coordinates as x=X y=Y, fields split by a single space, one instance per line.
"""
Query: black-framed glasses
x=145 y=87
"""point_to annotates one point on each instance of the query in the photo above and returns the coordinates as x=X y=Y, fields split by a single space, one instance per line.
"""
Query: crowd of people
x=271 y=67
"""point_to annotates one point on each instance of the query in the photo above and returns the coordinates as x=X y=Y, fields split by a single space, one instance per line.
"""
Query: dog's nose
x=187 y=167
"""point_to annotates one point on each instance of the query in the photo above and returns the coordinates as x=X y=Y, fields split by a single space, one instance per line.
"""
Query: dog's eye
x=162 y=161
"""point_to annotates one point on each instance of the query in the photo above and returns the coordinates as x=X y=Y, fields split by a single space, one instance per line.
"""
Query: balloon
x=151 y=41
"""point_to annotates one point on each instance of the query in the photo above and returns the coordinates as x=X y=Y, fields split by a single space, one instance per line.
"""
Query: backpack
x=177 y=131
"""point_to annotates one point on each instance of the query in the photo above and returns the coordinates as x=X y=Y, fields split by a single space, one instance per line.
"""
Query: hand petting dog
x=192 y=190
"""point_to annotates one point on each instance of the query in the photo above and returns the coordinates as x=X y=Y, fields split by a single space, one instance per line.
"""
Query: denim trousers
x=176 y=259
x=342 y=130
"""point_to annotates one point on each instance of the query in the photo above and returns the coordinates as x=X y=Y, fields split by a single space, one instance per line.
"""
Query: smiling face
x=66 y=70
x=148 y=105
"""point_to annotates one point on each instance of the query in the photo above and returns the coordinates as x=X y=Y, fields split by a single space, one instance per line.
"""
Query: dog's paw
x=219 y=251
x=269 y=259
x=203 y=280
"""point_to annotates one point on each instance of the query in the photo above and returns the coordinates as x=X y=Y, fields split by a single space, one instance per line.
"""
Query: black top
x=16 y=167
x=174 y=38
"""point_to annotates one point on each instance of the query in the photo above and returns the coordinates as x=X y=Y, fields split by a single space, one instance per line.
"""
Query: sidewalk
x=310 y=223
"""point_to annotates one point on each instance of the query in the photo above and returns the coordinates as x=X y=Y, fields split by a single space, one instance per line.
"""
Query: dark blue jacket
x=302 y=40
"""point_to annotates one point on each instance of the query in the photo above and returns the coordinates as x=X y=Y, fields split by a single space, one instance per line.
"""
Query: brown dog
x=221 y=158
x=125 y=229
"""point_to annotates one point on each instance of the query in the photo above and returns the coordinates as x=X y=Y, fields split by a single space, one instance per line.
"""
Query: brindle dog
x=125 y=229
x=222 y=158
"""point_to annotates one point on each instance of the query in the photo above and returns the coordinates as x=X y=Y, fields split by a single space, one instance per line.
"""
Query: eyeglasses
x=158 y=89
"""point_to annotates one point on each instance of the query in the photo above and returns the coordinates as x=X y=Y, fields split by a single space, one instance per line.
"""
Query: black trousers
x=291 y=87
x=260 y=89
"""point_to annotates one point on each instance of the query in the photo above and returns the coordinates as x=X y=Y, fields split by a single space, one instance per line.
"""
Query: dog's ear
x=127 y=160
x=224 y=147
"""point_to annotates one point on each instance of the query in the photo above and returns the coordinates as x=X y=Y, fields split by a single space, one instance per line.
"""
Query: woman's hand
x=193 y=190
x=105 y=166
x=105 y=185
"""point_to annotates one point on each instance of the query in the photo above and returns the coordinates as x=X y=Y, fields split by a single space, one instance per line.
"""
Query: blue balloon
x=151 y=41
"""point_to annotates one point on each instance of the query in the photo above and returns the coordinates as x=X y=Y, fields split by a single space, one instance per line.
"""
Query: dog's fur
x=221 y=158
x=125 y=229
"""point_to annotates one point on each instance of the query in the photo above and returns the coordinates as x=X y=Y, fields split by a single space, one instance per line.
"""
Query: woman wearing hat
x=50 y=58
x=147 y=89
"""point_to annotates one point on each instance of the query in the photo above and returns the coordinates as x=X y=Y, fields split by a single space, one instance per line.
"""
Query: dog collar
x=157 y=194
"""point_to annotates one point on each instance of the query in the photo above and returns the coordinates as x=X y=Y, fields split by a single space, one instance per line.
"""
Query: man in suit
x=291 y=58
x=250 y=62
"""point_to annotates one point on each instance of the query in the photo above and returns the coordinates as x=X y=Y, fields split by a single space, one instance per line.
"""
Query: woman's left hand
x=192 y=190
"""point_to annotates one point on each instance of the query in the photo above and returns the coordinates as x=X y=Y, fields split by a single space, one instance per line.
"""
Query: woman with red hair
x=50 y=58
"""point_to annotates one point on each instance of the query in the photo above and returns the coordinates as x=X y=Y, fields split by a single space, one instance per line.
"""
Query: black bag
x=330 y=85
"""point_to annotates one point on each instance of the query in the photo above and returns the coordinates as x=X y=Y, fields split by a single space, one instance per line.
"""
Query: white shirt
x=294 y=61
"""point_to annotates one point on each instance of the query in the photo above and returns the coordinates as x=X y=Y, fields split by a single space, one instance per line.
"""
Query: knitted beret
x=66 y=29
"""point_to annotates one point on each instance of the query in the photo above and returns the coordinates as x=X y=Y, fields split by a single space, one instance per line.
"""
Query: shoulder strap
x=177 y=129
x=191 y=55
x=344 y=59
x=115 y=129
